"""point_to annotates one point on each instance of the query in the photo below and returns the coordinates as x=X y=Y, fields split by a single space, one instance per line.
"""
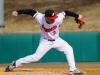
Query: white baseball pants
x=44 y=47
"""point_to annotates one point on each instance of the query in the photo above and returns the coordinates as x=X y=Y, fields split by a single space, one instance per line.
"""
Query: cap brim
x=53 y=18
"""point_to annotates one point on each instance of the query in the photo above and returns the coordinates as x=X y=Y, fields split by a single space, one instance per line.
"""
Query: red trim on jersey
x=50 y=29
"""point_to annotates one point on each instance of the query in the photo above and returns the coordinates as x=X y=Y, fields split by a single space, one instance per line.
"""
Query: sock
x=14 y=64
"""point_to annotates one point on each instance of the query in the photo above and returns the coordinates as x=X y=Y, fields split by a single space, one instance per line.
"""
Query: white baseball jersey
x=49 y=31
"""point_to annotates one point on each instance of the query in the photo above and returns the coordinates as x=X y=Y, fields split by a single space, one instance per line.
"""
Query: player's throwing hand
x=15 y=13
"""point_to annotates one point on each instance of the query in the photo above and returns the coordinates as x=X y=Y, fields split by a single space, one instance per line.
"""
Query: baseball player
x=49 y=23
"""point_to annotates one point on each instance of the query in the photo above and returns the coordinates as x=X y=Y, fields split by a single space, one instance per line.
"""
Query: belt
x=50 y=39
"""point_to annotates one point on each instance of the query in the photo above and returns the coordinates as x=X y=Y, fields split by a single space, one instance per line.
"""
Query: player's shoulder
x=39 y=17
x=61 y=14
x=38 y=14
x=60 y=18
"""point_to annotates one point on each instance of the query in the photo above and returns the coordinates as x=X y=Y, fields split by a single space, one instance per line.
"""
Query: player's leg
x=43 y=47
x=63 y=46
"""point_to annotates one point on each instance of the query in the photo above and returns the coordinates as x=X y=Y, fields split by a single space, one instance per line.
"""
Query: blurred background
x=20 y=35
x=26 y=24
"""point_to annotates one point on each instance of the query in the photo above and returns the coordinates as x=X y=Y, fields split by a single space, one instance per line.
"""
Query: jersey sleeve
x=38 y=17
x=61 y=16
x=27 y=11
x=70 y=13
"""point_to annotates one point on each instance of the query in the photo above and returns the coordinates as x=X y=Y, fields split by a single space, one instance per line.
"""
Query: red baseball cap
x=50 y=14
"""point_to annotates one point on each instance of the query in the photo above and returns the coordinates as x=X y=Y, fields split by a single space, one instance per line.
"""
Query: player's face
x=49 y=21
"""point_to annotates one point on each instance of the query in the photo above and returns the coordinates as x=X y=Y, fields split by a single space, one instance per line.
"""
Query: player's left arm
x=78 y=18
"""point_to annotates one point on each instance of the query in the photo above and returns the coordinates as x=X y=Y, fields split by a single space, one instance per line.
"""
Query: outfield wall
x=86 y=47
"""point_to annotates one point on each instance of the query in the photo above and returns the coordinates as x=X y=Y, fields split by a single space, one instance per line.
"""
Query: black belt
x=50 y=39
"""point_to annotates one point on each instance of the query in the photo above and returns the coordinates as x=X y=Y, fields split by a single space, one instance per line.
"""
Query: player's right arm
x=35 y=14
x=24 y=11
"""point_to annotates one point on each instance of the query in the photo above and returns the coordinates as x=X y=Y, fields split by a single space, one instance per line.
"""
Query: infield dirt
x=51 y=69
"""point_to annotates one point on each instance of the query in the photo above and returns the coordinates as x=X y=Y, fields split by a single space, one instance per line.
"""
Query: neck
x=48 y=22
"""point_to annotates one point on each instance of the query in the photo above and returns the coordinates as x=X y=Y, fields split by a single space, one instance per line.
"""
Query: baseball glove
x=80 y=21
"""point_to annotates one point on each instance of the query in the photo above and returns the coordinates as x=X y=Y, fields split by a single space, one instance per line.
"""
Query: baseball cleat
x=76 y=72
x=10 y=67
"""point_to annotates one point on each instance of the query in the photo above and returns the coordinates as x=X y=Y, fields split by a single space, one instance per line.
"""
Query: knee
x=68 y=50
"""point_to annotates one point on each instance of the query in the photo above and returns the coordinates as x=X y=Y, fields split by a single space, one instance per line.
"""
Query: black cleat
x=10 y=67
x=76 y=72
